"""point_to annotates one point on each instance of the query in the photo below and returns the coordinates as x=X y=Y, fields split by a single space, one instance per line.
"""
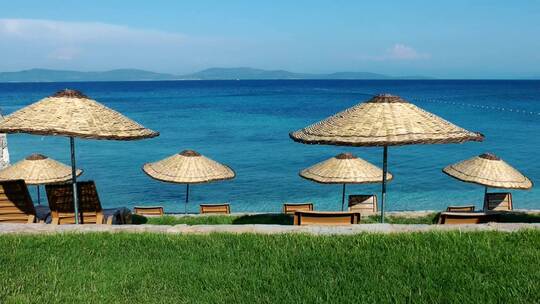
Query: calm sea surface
x=245 y=124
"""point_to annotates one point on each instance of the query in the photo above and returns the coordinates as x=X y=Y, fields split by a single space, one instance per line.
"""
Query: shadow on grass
x=138 y=219
x=271 y=219
x=275 y=219
x=518 y=218
x=284 y=219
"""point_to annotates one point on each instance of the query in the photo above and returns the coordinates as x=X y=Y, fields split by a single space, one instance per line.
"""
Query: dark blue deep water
x=245 y=124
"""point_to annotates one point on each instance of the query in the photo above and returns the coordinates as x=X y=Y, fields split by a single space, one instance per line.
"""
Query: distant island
x=47 y=75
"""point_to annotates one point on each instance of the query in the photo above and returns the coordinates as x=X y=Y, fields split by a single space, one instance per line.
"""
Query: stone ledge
x=261 y=229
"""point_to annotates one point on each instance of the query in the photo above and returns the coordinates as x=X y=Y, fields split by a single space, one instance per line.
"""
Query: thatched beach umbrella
x=188 y=167
x=344 y=168
x=490 y=171
x=70 y=113
x=38 y=169
x=385 y=120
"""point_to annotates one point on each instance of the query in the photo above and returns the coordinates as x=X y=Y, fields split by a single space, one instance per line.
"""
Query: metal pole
x=485 y=198
x=74 y=180
x=383 y=191
x=38 y=199
x=187 y=198
x=343 y=198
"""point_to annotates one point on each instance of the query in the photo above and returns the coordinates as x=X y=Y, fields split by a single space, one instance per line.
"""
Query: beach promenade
x=264 y=228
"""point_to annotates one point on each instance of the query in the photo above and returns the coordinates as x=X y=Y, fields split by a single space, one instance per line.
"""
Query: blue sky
x=454 y=39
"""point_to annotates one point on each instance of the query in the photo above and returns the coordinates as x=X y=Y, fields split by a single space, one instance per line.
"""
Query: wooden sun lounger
x=215 y=209
x=463 y=218
x=291 y=208
x=498 y=201
x=469 y=208
x=60 y=197
x=326 y=218
x=16 y=205
x=148 y=210
x=363 y=203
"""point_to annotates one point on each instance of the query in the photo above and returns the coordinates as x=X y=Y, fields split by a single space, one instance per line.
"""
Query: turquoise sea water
x=245 y=124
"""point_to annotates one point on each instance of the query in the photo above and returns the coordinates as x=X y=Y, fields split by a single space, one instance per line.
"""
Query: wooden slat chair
x=363 y=203
x=16 y=205
x=463 y=218
x=326 y=218
x=498 y=201
x=149 y=210
x=291 y=208
x=215 y=209
x=469 y=208
x=60 y=197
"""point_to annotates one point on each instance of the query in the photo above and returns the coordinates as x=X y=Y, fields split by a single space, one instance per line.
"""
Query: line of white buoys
x=476 y=106
x=441 y=100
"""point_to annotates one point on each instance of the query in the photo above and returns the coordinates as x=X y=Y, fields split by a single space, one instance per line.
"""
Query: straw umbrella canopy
x=490 y=171
x=188 y=167
x=70 y=113
x=38 y=169
x=344 y=168
x=384 y=120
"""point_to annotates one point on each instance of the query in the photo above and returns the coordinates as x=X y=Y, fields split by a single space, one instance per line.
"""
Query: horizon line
x=176 y=74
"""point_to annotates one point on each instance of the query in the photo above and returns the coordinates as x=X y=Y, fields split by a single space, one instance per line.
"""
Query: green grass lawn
x=283 y=219
x=449 y=267
x=279 y=219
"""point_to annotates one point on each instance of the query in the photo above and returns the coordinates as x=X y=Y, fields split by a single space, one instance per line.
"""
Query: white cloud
x=38 y=43
x=398 y=52
x=93 y=45
x=62 y=31
x=403 y=52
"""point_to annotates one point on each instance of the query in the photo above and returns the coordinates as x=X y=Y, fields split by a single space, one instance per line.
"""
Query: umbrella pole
x=485 y=197
x=74 y=180
x=383 y=190
x=187 y=198
x=343 y=198
x=38 y=198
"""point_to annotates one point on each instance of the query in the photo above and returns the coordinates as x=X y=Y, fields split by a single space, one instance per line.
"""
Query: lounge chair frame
x=464 y=218
x=60 y=197
x=149 y=210
x=291 y=208
x=224 y=208
x=468 y=208
x=498 y=201
x=363 y=203
x=16 y=204
x=326 y=218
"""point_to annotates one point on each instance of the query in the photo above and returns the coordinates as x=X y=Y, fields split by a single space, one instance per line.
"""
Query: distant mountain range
x=251 y=73
x=46 y=75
